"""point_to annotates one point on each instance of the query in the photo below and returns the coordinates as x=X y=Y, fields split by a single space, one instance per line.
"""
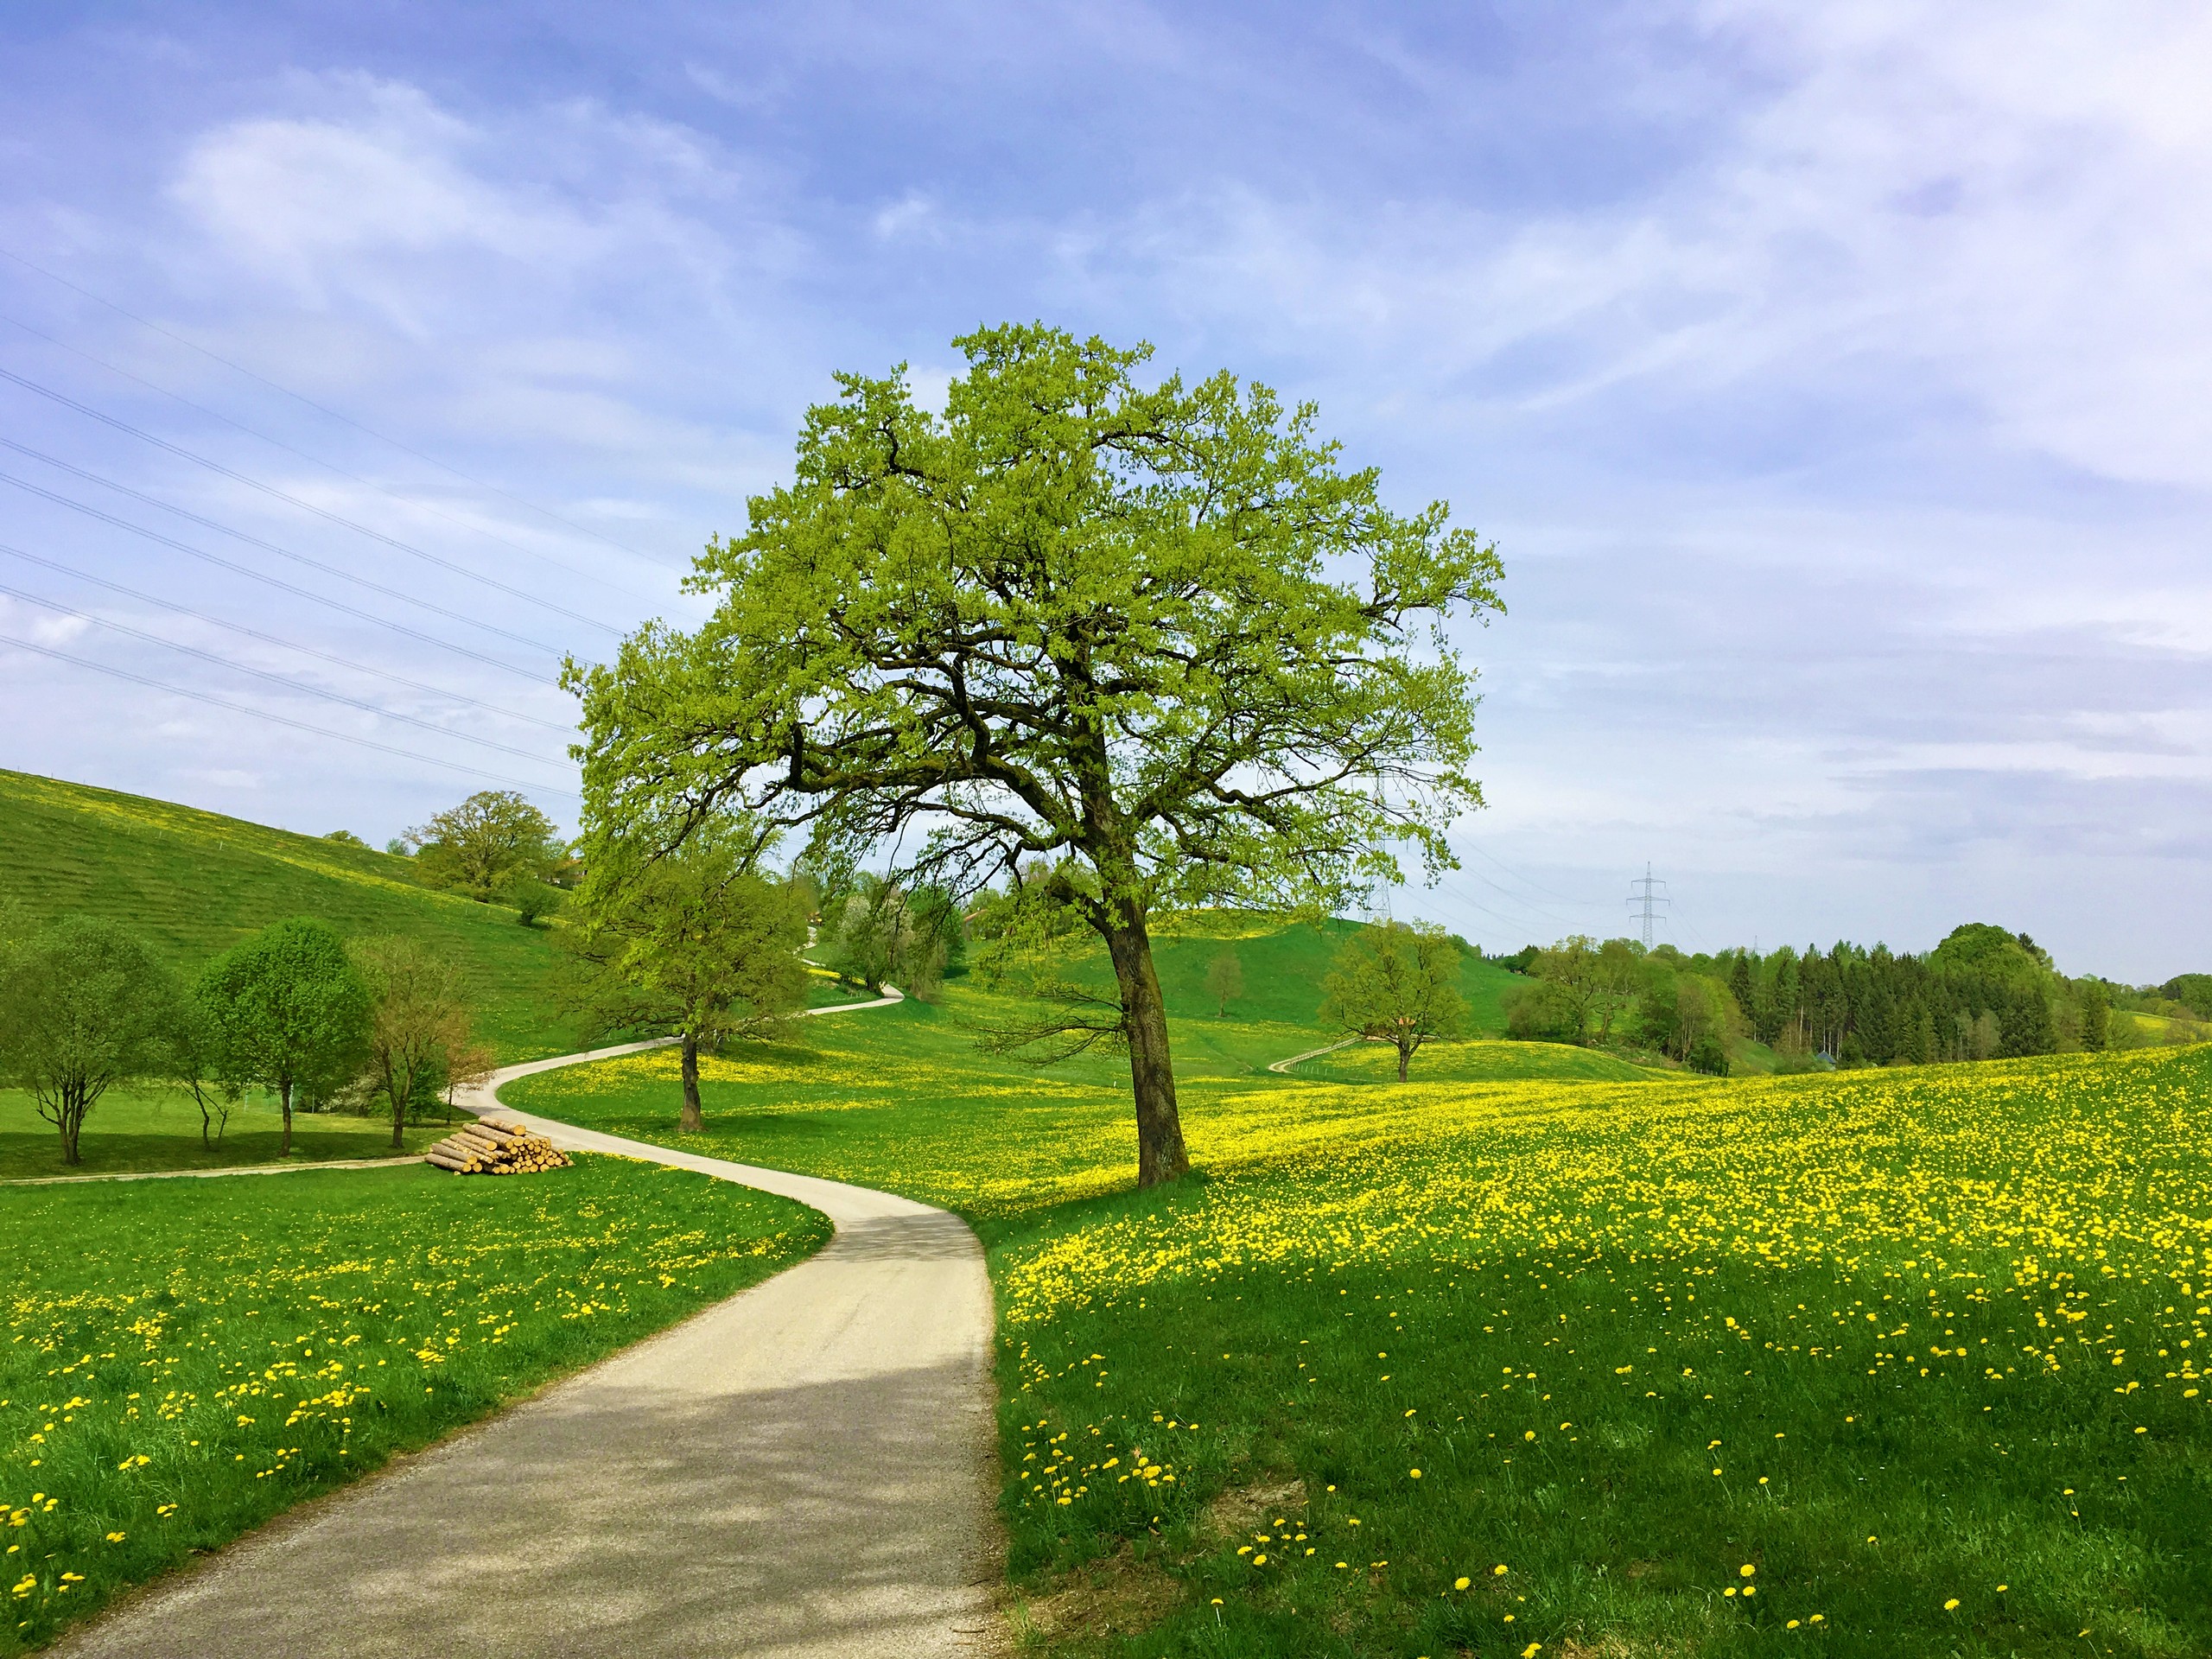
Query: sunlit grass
x=1938 y=1331
x=184 y=1358
x=153 y=1129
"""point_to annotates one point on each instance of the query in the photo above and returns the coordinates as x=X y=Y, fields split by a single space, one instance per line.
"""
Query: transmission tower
x=1646 y=901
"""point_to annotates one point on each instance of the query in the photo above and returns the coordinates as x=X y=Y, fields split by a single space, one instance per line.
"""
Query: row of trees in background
x=86 y=1007
x=1984 y=993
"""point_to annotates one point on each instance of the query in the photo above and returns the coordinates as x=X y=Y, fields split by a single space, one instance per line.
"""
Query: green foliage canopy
x=84 y=1008
x=696 y=942
x=492 y=845
x=1397 y=983
x=417 y=1033
x=286 y=1009
x=1158 y=629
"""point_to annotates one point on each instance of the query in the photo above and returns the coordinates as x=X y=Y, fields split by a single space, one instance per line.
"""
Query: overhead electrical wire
x=1530 y=881
x=281 y=720
x=321 y=408
x=313 y=461
x=304 y=505
x=90 y=511
x=274 y=678
x=1519 y=925
x=1507 y=896
x=282 y=643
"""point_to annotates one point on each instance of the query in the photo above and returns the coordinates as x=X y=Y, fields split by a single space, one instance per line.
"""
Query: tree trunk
x=399 y=1098
x=284 y=1094
x=1160 y=1154
x=1405 y=1054
x=70 y=1119
x=693 y=1122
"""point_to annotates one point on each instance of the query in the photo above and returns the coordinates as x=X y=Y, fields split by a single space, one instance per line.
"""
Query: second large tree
x=1157 y=629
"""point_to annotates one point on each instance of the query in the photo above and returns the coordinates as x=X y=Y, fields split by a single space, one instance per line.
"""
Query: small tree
x=2096 y=1017
x=1709 y=1054
x=878 y=932
x=1397 y=983
x=1224 y=979
x=1616 y=976
x=418 y=1020
x=488 y=839
x=860 y=935
x=84 y=1008
x=1570 y=968
x=1539 y=1012
x=286 y=1009
x=696 y=942
x=1593 y=981
x=466 y=1067
x=192 y=1068
x=531 y=896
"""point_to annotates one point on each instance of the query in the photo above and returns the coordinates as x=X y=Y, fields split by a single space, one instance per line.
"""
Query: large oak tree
x=1157 y=629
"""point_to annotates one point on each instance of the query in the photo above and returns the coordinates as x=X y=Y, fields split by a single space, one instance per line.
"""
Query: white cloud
x=2010 y=209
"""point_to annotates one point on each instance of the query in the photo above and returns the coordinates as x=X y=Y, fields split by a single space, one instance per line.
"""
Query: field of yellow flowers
x=184 y=1358
x=1867 y=1363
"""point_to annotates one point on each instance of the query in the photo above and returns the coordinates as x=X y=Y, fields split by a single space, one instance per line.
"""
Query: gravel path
x=805 y=1470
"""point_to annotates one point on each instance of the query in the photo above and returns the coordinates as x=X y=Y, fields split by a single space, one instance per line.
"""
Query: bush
x=1709 y=1056
x=1541 y=1013
x=531 y=900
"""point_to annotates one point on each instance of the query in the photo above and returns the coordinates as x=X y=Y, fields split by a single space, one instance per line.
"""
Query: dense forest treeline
x=1984 y=993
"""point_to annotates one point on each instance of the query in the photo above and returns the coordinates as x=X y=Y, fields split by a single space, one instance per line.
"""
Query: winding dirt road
x=802 y=1471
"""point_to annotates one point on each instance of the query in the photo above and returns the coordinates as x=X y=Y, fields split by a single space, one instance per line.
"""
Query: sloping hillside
x=195 y=882
x=1283 y=964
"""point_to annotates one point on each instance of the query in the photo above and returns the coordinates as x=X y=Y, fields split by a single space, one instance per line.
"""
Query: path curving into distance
x=804 y=1471
x=1284 y=1066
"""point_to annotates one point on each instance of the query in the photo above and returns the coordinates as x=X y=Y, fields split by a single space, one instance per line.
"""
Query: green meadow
x=1547 y=1349
x=185 y=1358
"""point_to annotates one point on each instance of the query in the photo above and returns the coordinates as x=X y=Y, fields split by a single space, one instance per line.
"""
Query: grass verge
x=185 y=1358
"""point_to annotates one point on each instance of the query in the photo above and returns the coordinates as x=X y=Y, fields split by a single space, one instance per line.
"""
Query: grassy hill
x=1283 y=964
x=194 y=883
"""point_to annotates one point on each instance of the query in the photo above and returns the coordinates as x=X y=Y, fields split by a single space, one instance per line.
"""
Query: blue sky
x=1832 y=378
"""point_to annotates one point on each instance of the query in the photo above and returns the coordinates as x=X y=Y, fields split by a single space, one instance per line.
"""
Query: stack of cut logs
x=491 y=1147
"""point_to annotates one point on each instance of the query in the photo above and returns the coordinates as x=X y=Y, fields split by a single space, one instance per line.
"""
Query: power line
x=313 y=461
x=1534 y=909
x=282 y=719
x=321 y=408
x=274 y=678
x=90 y=511
x=1519 y=925
x=270 y=490
x=287 y=645
x=1530 y=881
